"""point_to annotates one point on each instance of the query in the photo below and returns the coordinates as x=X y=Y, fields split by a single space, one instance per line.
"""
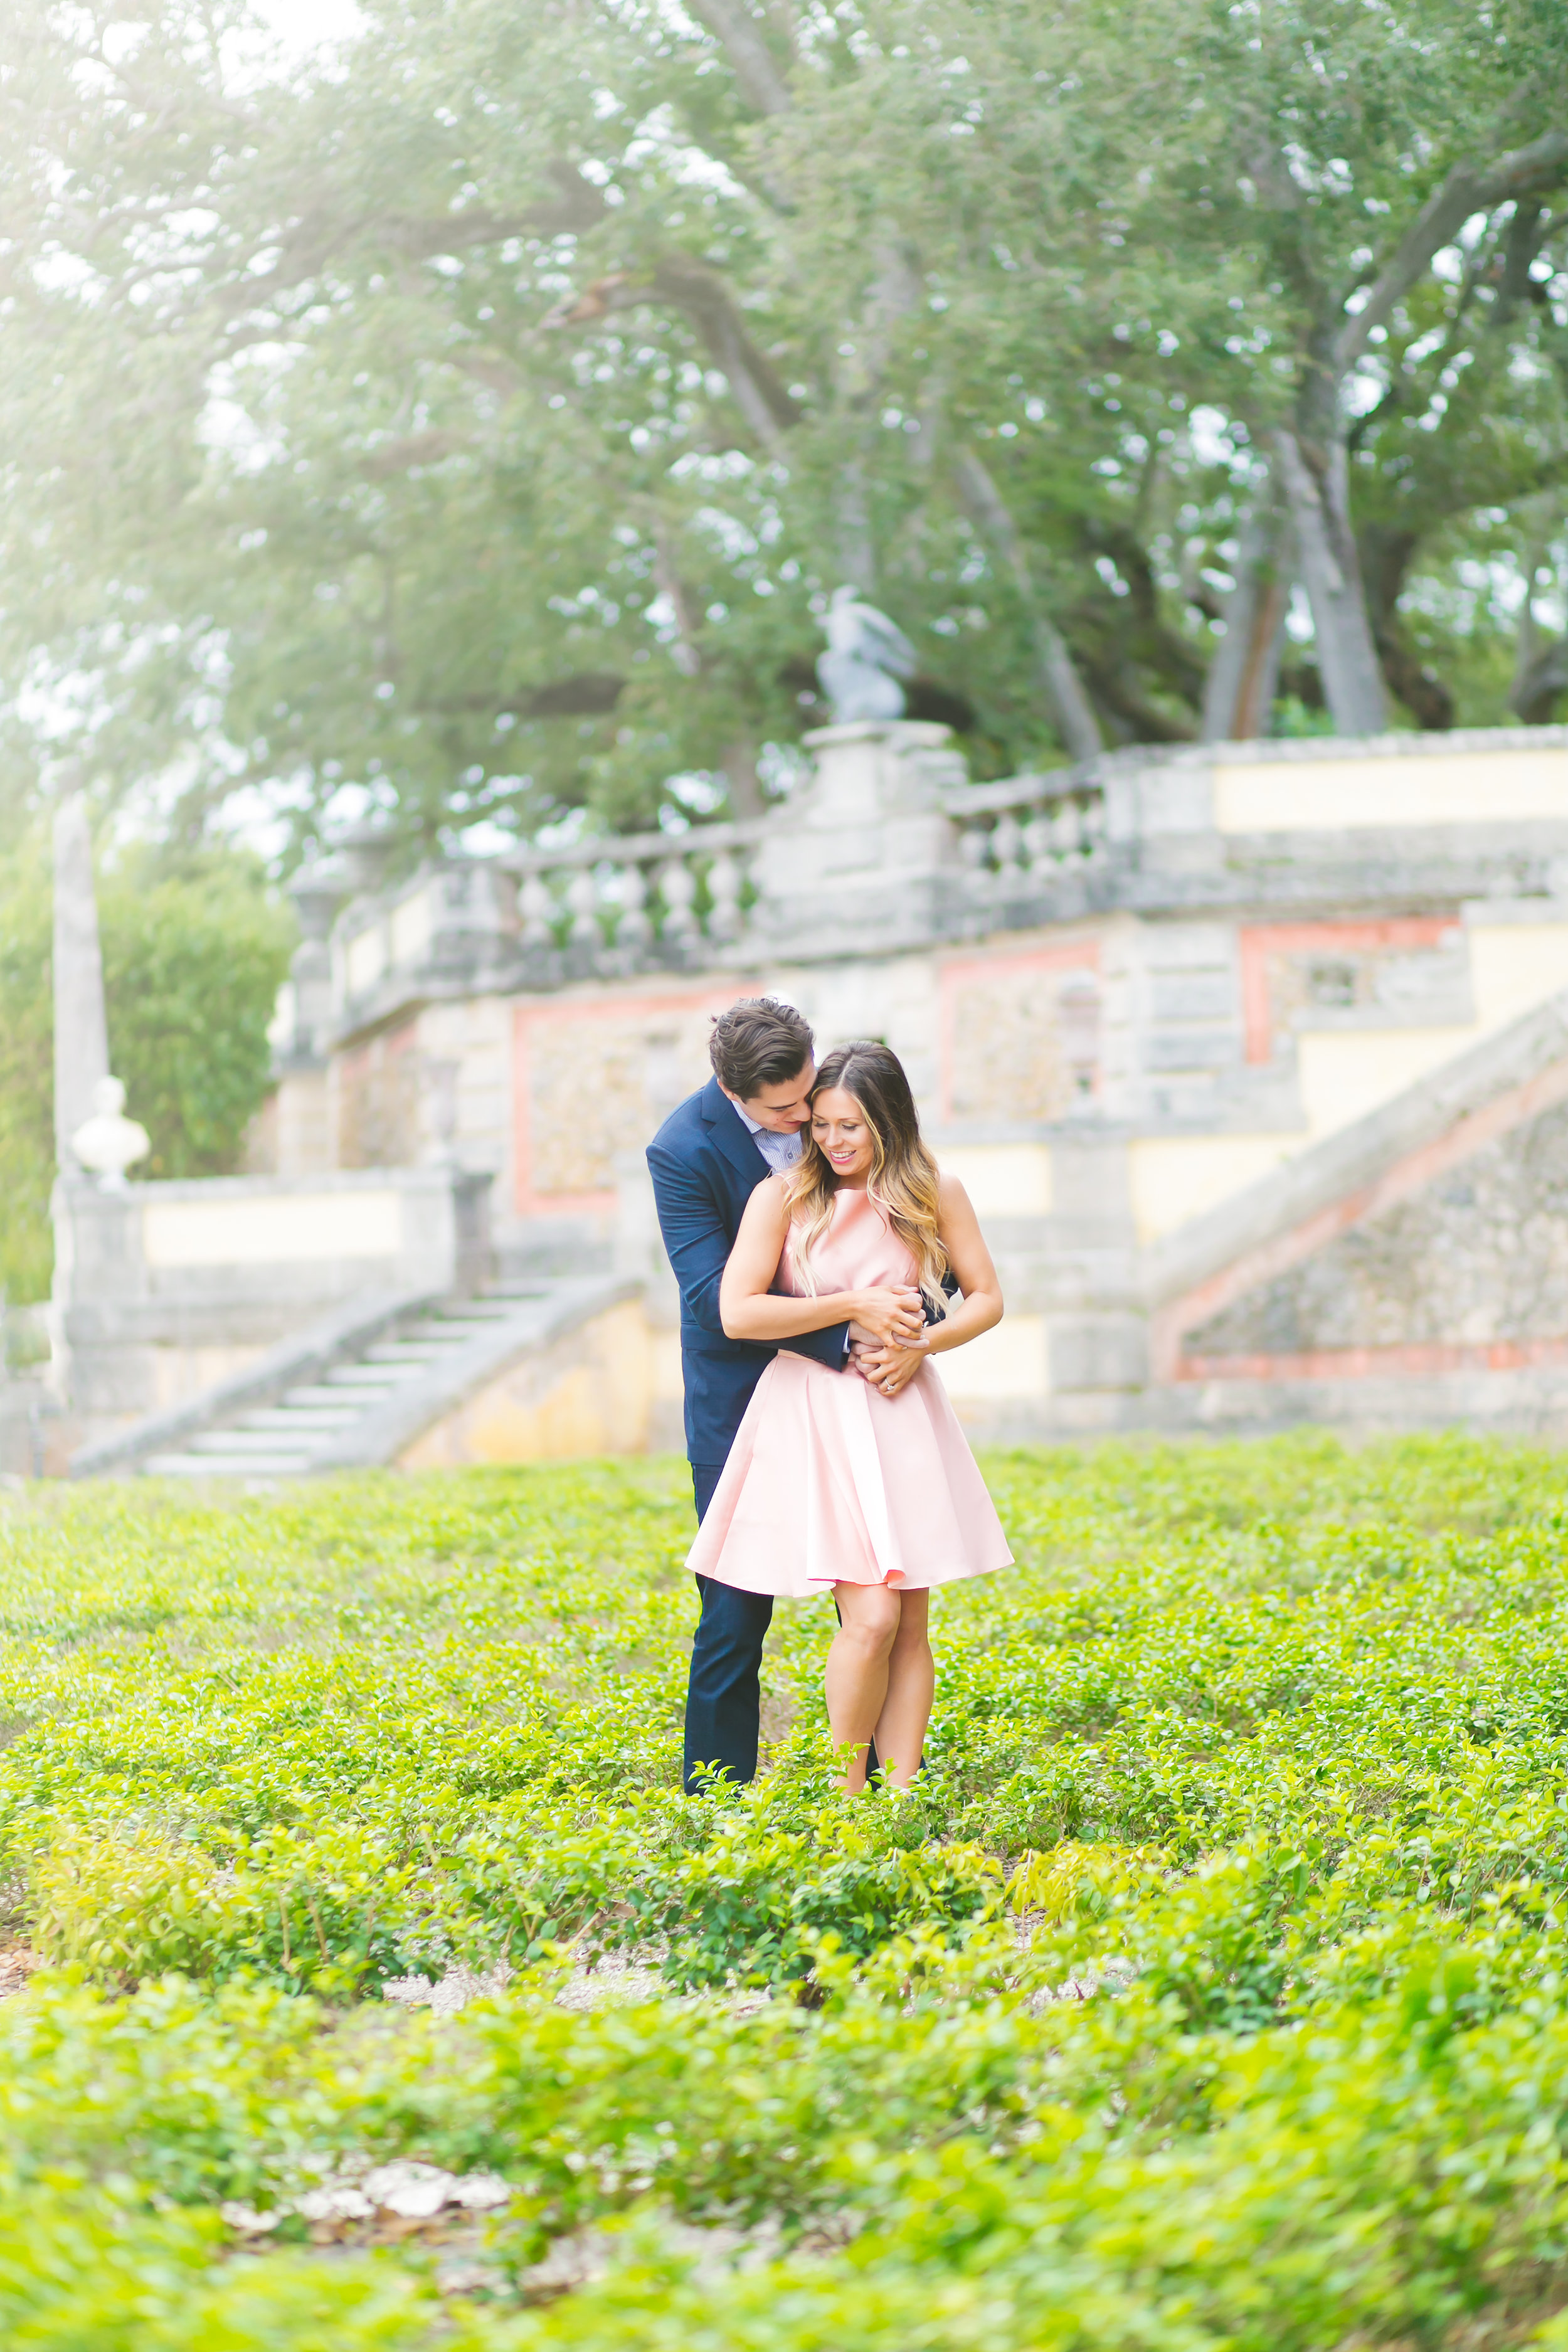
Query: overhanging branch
x=1469 y=188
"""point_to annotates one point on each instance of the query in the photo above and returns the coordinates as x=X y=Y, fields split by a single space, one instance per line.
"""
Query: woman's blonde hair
x=903 y=1180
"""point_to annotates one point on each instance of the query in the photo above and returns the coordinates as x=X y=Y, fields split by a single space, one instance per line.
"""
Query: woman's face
x=838 y=1129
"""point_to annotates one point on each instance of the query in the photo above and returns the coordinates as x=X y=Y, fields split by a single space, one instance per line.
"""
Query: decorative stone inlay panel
x=594 y=1081
x=1349 y=975
x=378 y=1090
x=1020 y=1034
x=1482 y=1254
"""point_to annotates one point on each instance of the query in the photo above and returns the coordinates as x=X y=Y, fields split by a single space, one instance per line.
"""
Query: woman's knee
x=870 y=1622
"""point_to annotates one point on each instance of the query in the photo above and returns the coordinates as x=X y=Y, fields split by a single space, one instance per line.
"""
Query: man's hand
x=888 y=1369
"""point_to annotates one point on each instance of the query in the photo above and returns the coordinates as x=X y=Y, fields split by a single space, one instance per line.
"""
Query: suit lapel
x=735 y=1141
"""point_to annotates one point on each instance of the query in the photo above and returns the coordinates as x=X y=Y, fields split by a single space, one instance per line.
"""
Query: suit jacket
x=705 y=1168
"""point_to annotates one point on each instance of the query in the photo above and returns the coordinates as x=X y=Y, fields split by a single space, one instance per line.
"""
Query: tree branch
x=750 y=59
x=690 y=286
x=1070 y=707
x=1467 y=189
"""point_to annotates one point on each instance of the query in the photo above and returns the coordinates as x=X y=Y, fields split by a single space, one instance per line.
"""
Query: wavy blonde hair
x=904 y=1178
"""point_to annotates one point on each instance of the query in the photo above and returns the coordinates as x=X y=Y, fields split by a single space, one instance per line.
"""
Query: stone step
x=245 y=1440
x=228 y=1466
x=300 y=1419
x=421 y=1350
x=370 y=1376
x=318 y=1395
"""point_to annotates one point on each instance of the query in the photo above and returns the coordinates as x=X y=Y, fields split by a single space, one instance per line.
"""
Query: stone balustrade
x=620 y=897
x=614 y=904
x=1028 y=830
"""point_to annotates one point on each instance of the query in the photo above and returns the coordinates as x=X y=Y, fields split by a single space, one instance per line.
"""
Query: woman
x=858 y=1482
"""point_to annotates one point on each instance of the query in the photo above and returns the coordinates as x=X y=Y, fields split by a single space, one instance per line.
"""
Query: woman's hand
x=889 y=1318
x=888 y=1369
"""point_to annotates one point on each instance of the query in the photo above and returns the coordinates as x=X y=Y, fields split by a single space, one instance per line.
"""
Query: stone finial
x=108 y=1143
x=867 y=655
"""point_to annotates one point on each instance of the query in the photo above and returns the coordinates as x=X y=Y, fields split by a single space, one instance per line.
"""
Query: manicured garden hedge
x=1209 y=1992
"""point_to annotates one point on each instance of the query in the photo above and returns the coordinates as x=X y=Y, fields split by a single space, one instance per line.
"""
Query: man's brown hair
x=759 y=1043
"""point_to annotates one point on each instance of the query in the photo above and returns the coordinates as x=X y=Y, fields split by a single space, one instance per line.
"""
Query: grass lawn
x=370 y=1983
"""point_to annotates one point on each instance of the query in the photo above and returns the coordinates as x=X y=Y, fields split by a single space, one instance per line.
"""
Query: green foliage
x=194 y=948
x=529 y=502
x=1206 y=1995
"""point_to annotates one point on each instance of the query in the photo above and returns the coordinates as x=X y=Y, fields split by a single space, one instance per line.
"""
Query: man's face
x=784 y=1108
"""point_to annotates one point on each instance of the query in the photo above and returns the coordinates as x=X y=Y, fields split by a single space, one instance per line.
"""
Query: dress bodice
x=859 y=1250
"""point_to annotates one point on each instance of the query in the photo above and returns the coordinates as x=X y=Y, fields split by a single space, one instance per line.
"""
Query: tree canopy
x=480 y=417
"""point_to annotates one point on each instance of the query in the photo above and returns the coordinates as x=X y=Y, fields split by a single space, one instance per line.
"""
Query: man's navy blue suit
x=705 y=1168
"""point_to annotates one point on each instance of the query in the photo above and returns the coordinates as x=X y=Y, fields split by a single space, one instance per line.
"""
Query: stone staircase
x=357 y=1389
x=293 y=1438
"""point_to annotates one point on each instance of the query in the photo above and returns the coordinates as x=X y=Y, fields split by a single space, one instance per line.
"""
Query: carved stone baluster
x=536 y=905
x=631 y=891
x=974 y=848
x=1094 y=825
x=1066 y=830
x=725 y=877
x=582 y=903
x=678 y=886
x=1007 y=847
x=1039 y=846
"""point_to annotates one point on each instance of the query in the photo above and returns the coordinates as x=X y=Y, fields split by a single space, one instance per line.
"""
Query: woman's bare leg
x=868 y=1618
x=900 y=1732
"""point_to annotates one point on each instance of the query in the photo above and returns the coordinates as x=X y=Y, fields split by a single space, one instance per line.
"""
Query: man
x=706 y=1161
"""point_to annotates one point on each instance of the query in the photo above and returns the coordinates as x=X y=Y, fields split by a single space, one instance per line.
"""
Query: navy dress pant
x=721 y=1698
x=723 y=1701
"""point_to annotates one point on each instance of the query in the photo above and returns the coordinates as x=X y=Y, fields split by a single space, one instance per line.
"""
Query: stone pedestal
x=864 y=856
x=102 y=1365
x=303 y=1141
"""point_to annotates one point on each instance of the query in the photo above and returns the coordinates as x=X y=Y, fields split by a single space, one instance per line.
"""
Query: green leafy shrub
x=1207 y=1991
x=195 y=950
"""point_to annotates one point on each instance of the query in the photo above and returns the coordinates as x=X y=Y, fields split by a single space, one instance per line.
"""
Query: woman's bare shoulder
x=770 y=1199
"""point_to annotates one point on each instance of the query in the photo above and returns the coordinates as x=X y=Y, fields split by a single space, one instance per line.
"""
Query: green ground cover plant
x=1209 y=1992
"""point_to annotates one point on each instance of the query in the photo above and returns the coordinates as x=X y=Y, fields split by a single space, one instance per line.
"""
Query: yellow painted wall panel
x=1002 y=1179
x=1175 y=1178
x=1488 y=787
x=288 y=1229
x=1001 y=1366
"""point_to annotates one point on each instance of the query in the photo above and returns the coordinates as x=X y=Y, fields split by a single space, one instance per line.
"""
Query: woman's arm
x=748 y=1312
x=979 y=1309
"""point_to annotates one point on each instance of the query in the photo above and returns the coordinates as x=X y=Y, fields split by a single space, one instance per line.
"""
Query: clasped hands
x=888 y=1340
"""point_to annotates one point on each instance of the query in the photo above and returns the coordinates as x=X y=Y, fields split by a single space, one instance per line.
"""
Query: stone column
x=81 y=1029
x=101 y=1366
x=865 y=856
x=305 y=1141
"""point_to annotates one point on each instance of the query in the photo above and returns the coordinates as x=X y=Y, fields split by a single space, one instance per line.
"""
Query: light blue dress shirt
x=779 y=1151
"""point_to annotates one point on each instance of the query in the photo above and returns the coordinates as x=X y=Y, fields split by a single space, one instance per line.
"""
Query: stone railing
x=880 y=825
x=627 y=891
x=1027 y=831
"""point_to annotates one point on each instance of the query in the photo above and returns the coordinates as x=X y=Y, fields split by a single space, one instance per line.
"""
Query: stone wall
x=1138 y=1005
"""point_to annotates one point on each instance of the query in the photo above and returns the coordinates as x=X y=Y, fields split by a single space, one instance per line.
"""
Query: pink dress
x=831 y=1482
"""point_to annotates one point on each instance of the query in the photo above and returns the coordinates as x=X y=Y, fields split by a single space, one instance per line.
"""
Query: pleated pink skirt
x=829 y=1482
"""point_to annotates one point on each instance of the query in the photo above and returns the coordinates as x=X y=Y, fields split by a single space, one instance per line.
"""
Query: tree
x=484 y=431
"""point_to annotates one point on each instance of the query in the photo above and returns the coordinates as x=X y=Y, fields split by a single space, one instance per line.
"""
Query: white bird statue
x=867 y=655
